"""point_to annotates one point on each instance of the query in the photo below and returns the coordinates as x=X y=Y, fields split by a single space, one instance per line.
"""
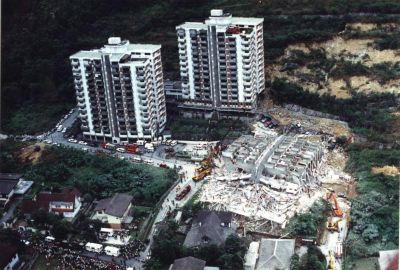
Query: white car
x=72 y=140
x=48 y=141
x=174 y=143
x=82 y=142
x=136 y=159
x=121 y=150
x=64 y=130
x=85 y=149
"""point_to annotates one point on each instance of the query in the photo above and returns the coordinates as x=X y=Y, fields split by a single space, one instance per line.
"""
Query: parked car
x=82 y=142
x=72 y=140
x=121 y=150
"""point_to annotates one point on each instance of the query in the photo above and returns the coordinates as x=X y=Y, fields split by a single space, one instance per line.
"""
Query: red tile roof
x=43 y=199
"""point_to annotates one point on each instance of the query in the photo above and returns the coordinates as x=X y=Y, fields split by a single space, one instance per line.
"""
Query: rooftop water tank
x=114 y=40
x=217 y=12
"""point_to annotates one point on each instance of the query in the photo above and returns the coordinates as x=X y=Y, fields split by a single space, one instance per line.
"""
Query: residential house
x=269 y=254
x=8 y=184
x=191 y=263
x=9 y=258
x=210 y=227
x=66 y=203
x=114 y=211
x=389 y=259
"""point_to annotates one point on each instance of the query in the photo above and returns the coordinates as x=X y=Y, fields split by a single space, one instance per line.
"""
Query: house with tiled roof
x=9 y=258
x=210 y=227
x=8 y=184
x=269 y=254
x=66 y=203
x=114 y=211
x=191 y=263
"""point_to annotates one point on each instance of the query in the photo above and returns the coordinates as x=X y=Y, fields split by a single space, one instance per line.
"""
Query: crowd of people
x=132 y=249
x=68 y=259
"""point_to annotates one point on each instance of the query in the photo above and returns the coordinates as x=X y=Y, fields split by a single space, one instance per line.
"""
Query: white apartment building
x=120 y=91
x=222 y=62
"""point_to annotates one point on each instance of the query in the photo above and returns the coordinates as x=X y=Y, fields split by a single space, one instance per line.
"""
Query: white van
x=94 y=247
x=112 y=251
x=49 y=239
x=60 y=128
x=136 y=159
x=140 y=142
x=150 y=162
x=149 y=147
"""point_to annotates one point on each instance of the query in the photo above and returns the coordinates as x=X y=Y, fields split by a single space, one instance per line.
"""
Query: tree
x=166 y=247
x=60 y=230
x=235 y=245
x=209 y=253
x=295 y=262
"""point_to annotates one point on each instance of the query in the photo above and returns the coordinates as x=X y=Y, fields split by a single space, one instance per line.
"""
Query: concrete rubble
x=267 y=178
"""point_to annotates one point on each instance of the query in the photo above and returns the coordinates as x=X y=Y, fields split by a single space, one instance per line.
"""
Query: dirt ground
x=386 y=170
x=343 y=48
x=31 y=153
x=285 y=117
x=349 y=189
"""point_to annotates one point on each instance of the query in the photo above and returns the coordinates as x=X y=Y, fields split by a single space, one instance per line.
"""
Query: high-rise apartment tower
x=221 y=62
x=120 y=92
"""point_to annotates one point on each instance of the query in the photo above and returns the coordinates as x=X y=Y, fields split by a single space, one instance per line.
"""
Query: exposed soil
x=349 y=189
x=343 y=47
x=31 y=153
x=386 y=170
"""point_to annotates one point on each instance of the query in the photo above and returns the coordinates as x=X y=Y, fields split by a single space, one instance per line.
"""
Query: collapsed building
x=281 y=178
x=291 y=164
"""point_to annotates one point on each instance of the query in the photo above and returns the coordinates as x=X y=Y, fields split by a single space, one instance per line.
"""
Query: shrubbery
x=94 y=176
x=306 y=224
x=375 y=213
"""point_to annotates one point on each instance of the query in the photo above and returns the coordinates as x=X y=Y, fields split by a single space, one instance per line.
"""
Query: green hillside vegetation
x=375 y=211
x=40 y=35
x=307 y=224
x=95 y=176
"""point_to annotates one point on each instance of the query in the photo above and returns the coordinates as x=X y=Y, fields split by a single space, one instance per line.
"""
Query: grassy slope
x=375 y=211
x=39 y=35
x=98 y=176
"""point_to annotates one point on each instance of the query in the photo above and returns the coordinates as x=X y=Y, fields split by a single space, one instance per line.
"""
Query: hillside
x=39 y=35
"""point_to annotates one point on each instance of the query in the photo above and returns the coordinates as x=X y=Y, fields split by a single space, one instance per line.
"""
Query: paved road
x=169 y=204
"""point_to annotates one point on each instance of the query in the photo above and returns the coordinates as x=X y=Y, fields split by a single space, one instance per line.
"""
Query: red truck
x=132 y=148
x=183 y=193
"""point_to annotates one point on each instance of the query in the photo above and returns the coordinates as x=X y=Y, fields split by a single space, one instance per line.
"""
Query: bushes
x=374 y=214
x=306 y=224
x=100 y=176
x=348 y=69
x=389 y=42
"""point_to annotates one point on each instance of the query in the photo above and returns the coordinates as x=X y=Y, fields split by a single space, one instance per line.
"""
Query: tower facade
x=120 y=92
x=222 y=62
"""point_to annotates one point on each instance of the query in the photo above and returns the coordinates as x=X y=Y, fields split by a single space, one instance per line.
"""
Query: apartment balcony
x=78 y=81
